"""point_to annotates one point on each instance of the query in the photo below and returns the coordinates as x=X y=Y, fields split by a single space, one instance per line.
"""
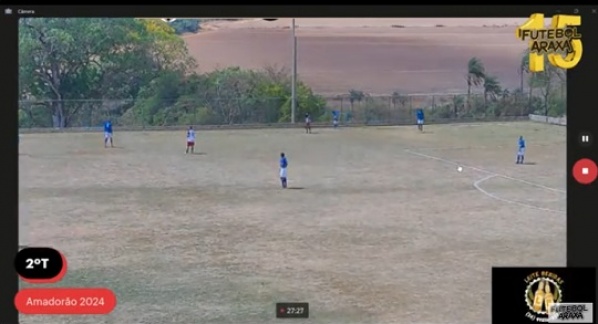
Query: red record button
x=585 y=171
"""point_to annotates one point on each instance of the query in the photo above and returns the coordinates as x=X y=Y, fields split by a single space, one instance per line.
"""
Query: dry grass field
x=379 y=228
x=409 y=55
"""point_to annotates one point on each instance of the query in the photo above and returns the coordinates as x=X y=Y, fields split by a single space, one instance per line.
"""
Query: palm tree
x=395 y=99
x=492 y=88
x=475 y=76
x=355 y=95
x=523 y=68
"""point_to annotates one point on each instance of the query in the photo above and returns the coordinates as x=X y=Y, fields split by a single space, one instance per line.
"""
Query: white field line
x=491 y=175
x=477 y=184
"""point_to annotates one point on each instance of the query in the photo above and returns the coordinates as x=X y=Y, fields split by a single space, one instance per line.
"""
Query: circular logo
x=541 y=294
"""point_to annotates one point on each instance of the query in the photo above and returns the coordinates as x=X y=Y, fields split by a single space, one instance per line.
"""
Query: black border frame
x=581 y=222
x=275 y=11
x=9 y=240
x=581 y=199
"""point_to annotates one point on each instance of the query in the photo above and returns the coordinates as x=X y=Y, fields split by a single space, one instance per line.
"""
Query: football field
x=377 y=227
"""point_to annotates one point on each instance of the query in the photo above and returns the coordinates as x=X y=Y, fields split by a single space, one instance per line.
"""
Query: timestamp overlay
x=292 y=310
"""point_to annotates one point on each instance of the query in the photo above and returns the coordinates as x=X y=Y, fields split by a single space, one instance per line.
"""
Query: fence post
x=142 y=117
x=341 y=119
x=91 y=118
x=455 y=107
x=390 y=119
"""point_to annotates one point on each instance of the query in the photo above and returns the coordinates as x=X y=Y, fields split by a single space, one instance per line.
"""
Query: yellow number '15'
x=536 y=61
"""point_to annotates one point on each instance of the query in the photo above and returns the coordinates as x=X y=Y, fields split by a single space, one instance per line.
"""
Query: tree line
x=541 y=93
x=81 y=71
x=138 y=69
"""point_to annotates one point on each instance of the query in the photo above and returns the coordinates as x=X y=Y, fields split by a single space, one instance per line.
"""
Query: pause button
x=585 y=139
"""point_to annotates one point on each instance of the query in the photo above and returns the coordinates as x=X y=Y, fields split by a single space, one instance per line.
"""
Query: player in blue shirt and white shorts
x=283 y=163
x=521 y=150
x=108 y=134
x=335 y=117
x=420 y=119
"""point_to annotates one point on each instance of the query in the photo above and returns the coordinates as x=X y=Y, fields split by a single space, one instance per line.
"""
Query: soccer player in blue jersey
x=521 y=150
x=420 y=119
x=283 y=170
x=108 y=133
x=335 y=114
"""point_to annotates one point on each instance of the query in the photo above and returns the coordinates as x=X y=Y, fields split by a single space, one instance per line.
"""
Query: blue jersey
x=108 y=127
x=521 y=143
x=420 y=114
x=283 y=163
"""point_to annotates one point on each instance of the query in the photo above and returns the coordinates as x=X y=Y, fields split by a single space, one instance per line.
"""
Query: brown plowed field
x=374 y=55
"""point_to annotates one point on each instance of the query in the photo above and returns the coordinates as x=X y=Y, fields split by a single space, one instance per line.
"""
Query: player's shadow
x=199 y=153
x=295 y=188
x=529 y=163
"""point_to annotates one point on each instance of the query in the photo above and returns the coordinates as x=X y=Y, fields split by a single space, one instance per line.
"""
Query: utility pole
x=294 y=73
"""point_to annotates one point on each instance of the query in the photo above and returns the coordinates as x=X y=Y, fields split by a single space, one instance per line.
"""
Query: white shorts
x=283 y=172
x=521 y=151
x=107 y=135
x=420 y=121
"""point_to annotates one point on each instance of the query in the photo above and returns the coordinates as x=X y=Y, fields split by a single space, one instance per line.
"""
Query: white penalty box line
x=491 y=175
x=431 y=157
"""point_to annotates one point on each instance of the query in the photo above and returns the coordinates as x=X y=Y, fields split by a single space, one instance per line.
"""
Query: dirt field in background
x=383 y=227
x=334 y=55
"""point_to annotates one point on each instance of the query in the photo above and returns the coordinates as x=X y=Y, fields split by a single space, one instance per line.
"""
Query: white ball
x=460 y=169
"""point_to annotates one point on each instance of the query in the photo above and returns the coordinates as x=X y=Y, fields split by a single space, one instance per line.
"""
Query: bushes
x=139 y=72
x=227 y=96
x=182 y=26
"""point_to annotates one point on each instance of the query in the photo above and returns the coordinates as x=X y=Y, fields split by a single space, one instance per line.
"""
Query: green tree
x=398 y=99
x=551 y=87
x=307 y=102
x=523 y=70
x=355 y=96
x=186 y=25
x=492 y=88
x=475 y=76
x=167 y=50
x=227 y=96
x=458 y=104
x=81 y=61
